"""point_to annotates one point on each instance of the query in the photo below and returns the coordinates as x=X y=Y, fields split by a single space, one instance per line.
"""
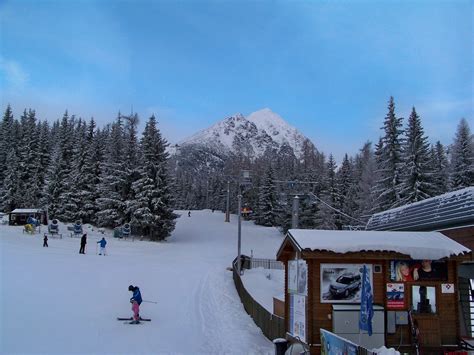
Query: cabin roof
x=418 y=245
x=450 y=210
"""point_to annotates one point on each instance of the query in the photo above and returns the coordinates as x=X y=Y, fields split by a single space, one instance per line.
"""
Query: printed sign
x=418 y=270
x=298 y=277
x=292 y=276
x=341 y=283
x=298 y=316
x=332 y=344
x=395 y=295
x=447 y=288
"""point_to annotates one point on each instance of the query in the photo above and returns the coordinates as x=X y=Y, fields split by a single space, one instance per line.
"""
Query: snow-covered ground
x=57 y=301
x=264 y=284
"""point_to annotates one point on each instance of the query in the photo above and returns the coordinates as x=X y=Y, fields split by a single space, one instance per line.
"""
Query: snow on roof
x=419 y=245
x=454 y=208
x=26 y=210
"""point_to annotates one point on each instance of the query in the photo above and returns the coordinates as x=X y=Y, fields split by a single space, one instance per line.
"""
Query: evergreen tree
x=6 y=143
x=151 y=210
x=417 y=180
x=326 y=217
x=365 y=177
x=389 y=162
x=462 y=158
x=346 y=191
x=440 y=167
x=113 y=180
x=267 y=200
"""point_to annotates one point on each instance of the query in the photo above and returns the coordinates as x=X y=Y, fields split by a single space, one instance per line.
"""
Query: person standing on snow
x=83 y=244
x=45 y=241
x=137 y=296
x=102 y=243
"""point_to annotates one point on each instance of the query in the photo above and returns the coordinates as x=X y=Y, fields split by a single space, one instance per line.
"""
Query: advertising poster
x=298 y=316
x=298 y=277
x=292 y=276
x=302 y=278
x=418 y=270
x=331 y=344
x=341 y=283
x=395 y=295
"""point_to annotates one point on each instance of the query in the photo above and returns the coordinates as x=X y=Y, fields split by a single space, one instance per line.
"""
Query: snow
x=57 y=301
x=26 y=210
x=419 y=245
x=264 y=284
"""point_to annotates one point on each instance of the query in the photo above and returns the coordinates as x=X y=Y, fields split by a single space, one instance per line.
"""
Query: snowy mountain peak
x=266 y=117
x=260 y=130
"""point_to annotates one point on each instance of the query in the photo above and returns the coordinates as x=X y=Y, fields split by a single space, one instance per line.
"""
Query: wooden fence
x=271 y=325
x=266 y=263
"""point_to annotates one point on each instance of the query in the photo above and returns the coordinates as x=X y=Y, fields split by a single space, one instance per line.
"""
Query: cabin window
x=424 y=299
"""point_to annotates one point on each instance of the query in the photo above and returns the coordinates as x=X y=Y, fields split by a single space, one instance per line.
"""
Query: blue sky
x=327 y=67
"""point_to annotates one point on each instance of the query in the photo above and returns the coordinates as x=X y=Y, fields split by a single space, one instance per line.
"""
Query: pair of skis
x=130 y=320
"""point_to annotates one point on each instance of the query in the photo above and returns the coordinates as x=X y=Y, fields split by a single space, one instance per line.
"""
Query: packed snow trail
x=57 y=301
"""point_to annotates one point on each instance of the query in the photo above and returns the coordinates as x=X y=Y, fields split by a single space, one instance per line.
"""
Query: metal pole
x=227 y=212
x=239 y=233
x=207 y=193
x=294 y=219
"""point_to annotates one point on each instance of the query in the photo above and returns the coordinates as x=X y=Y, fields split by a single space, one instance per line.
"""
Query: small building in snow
x=19 y=216
x=412 y=272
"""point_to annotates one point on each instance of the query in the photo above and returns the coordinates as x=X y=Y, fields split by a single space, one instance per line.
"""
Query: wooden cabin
x=323 y=287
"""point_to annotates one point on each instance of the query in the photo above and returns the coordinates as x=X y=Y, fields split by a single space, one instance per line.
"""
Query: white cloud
x=15 y=76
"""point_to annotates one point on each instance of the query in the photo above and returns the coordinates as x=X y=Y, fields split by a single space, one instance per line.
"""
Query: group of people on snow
x=101 y=242
x=135 y=300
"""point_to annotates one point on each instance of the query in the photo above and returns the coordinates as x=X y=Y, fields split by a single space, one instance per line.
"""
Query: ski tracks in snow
x=225 y=325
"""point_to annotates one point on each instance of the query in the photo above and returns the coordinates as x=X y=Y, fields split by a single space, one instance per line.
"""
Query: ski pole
x=149 y=301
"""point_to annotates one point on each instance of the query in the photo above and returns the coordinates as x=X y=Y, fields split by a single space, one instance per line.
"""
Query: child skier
x=45 y=241
x=137 y=297
x=102 y=243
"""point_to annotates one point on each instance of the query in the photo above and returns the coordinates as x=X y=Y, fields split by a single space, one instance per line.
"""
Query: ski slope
x=57 y=301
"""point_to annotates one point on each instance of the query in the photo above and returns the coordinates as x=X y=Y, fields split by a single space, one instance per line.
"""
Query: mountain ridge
x=251 y=135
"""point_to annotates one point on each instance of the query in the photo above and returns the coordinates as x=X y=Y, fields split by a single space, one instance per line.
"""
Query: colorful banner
x=292 y=276
x=332 y=344
x=395 y=296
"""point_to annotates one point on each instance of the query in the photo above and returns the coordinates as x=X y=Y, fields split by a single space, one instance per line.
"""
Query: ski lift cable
x=335 y=209
x=317 y=198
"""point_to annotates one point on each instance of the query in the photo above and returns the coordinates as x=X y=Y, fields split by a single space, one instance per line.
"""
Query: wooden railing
x=271 y=325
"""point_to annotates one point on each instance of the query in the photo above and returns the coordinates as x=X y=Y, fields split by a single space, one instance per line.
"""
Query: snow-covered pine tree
x=87 y=177
x=113 y=179
x=462 y=158
x=327 y=218
x=440 y=168
x=417 y=177
x=389 y=162
x=346 y=190
x=27 y=159
x=59 y=174
x=43 y=159
x=267 y=200
x=10 y=194
x=364 y=176
x=6 y=143
x=151 y=208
